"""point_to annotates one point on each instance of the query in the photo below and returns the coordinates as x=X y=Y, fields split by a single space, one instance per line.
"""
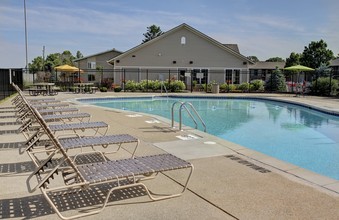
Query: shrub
x=223 y=87
x=131 y=86
x=257 y=85
x=117 y=89
x=142 y=86
x=176 y=86
x=244 y=86
x=232 y=87
x=209 y=87
x=103 y=89
x=154 y=85
x=322 y=86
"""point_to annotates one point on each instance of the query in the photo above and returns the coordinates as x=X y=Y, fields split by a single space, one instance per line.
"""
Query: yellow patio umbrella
x=68 y=69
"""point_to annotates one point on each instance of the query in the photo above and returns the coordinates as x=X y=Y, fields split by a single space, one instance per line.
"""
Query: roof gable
x=229 y=48
x=97 y=54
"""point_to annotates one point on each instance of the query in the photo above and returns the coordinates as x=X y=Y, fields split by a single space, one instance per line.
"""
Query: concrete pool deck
x=229 y=181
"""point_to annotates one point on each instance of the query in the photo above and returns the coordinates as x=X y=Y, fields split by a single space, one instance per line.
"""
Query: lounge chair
x=33 y=146
x=7 y=107
x=53 y=105
x=2 y=111
x=58 y=110
x=119 y=175
x=80 y=126
x=48 y=110
x=68 y=117
x=27 y=127
x=40 y=99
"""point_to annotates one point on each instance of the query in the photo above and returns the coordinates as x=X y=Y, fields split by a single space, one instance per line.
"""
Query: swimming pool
x=295 y=134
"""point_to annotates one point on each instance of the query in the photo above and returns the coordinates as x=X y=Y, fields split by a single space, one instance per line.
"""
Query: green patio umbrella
x=298 y=68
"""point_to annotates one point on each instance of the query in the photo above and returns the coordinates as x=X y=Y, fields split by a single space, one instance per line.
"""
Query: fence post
x=147 y=80
x=124 y=80
x=330 y=84
x=169 y=78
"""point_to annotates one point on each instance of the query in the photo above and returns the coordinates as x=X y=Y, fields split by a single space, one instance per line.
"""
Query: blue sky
x=262 y=28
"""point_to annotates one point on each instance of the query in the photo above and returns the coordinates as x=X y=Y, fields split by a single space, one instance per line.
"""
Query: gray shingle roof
x=267 y=65
x=334 y=62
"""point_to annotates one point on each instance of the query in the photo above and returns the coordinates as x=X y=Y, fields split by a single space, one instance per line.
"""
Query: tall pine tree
x=277 y=82
x=152 y=32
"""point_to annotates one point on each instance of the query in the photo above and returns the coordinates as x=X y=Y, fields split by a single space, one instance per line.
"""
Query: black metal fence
x=192 y=78
x=200 y=78
x=7 y=76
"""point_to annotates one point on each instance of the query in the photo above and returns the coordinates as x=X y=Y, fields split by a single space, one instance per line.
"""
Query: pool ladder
x=183 y=105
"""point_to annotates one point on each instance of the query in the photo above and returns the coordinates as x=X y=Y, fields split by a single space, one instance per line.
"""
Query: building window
x=91 y=65
x=91 y=77
x=228 y=76
x=183 y=40
x=236 y=76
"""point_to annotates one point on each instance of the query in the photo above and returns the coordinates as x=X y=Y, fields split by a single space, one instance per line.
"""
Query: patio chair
x=119 y=175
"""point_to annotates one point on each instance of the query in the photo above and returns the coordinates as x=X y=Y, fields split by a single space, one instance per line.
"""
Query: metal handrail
x=183 y=106
x=163 y=85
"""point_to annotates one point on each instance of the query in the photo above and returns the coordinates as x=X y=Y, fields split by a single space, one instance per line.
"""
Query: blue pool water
x=296 y=134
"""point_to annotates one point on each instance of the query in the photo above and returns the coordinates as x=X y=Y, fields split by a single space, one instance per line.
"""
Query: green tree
x=79 y=55
x=36 y=65
x=293 y=60
x=152 y=32
x=275 y=59
x=325 y=86
x=67 y=57
x=276 y=82
x=316 y=54
x=53 y=60
x=253 y=58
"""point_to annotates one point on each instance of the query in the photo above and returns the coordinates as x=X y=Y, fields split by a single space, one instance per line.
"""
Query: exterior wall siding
x=162 y=53
x=100 y=60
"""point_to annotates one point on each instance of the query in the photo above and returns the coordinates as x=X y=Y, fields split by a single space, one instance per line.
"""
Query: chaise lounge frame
x=124 y=173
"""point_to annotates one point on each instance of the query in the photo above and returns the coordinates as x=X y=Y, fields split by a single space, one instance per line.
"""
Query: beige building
x=263 y=70
x=95 y=66
x=182 y=53
x=334 y=64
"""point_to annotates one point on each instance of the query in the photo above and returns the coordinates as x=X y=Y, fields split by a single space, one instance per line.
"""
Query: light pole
x=26 y=68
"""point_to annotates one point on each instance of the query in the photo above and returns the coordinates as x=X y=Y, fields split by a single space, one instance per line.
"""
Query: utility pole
x=43 y=58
